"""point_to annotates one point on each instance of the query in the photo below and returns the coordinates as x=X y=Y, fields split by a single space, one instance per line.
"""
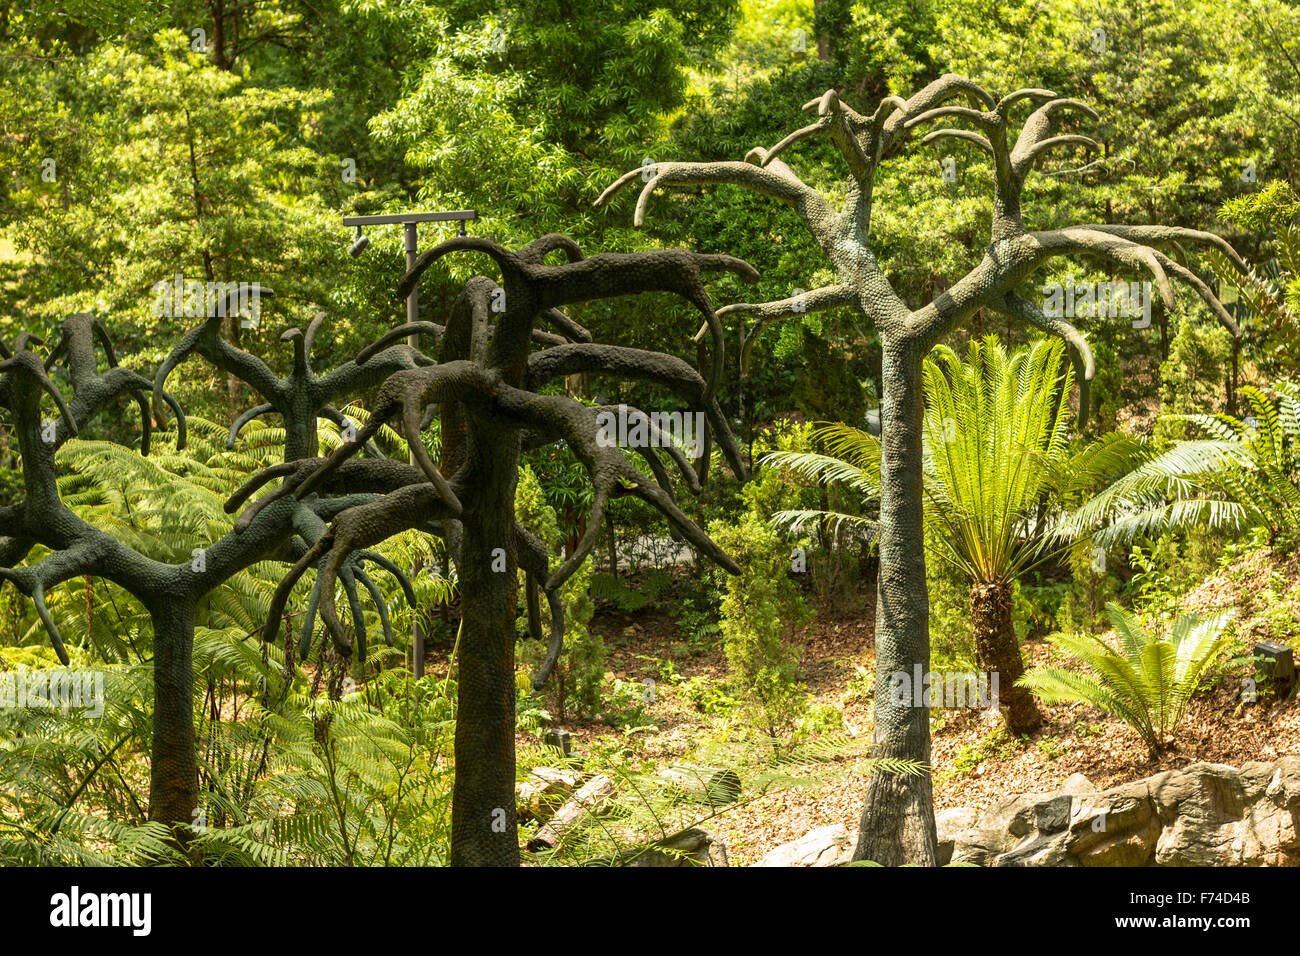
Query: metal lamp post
x=410 y=223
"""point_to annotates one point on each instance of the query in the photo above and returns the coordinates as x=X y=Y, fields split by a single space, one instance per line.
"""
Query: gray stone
x=826 y=846
x=1204 y=815
x=949 y=823
x=1077 y=783
x=692 y=847
x=1041 y=849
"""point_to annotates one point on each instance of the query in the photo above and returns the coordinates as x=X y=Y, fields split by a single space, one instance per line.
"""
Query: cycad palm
x=1245 y=473
x=997 y=467
x=1149 y=684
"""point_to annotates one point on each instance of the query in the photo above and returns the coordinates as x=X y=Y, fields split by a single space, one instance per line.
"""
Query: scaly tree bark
x=171 y=592
x=898 y=816
x=486 y=385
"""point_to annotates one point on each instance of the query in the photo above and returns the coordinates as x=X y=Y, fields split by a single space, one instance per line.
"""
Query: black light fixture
x=560 y=740
x=1275 y=663
x=359 y=244
x=410 y=221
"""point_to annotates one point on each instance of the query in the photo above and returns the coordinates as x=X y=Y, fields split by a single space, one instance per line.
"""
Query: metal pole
x=412 y=308
x=409 y=221
x=412 y=300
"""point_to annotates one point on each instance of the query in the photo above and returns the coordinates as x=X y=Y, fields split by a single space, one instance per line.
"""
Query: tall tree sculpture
x=487 y=387
x=898 y=816
x=171 y=593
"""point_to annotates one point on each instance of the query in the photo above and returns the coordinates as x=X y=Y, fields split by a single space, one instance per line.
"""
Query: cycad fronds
x=998 y=465
x=1148 y=684
x=1245 y=474
x=997 y=436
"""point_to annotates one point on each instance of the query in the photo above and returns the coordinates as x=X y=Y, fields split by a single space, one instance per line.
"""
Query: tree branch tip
x=614 y=187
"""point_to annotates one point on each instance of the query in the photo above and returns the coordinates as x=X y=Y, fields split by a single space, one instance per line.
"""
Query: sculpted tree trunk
x=171 y=592
x=487 y=386
x=483 y=825
x=898 y=819
x=173 y=771
x=898 y=816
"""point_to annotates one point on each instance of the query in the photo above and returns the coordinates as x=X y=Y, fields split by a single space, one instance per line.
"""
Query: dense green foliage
x=1242 y=475
x=760 y=609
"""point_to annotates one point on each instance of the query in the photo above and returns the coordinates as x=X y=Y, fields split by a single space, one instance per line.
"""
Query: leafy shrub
x=707 y=696
x=1037 y=607
x=952 y=638
x=1282 y=622
x=697 y=618
x=760 y=610
x=1093 y=584
x=1192 y=376
x=530 y=713
x=997 y=745
x=626 y=706
x=822 y=504
x=628 y=598
x=861 y=687
x=818 y=720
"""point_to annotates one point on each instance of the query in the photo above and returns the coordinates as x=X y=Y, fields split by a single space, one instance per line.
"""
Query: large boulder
x=950 y=823
x=825 y=846
x=1219 y=816
x=1205 y=815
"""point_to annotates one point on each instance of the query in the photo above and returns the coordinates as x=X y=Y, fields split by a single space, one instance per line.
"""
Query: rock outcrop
x=692 y=847
x=1205 y=815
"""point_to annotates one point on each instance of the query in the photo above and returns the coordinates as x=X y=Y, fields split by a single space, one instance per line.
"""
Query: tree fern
x=275 y=764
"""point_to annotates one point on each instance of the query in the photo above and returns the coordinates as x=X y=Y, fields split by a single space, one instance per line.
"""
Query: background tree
x=176 y=171
x=1208 y=94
